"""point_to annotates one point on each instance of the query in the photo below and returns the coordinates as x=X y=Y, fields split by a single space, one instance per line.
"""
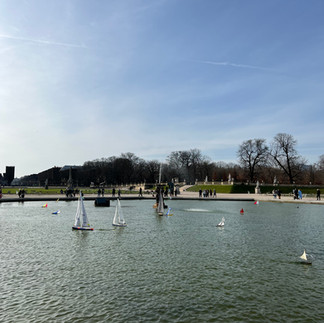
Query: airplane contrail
x=45 y=42
x=231 y=64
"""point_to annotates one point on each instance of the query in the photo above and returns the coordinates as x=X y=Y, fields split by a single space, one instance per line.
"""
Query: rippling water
x=167 y=269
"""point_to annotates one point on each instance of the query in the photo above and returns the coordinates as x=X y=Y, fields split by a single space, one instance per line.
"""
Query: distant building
x=9 y=174
x=57 y=176
x=50 y=176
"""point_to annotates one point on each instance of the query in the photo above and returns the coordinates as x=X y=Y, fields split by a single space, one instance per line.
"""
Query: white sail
x=160 y=173
x=77 y=221
x=304 y=255
x=119 y=217
x=85 y=221
x=160 y=208
x=115 y=219
x=222 y=223
x=81 y=219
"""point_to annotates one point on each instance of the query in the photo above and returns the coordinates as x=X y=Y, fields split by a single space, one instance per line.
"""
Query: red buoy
x=242 y=211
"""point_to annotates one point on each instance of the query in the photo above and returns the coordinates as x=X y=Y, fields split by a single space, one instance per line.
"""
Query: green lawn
x=265 y=189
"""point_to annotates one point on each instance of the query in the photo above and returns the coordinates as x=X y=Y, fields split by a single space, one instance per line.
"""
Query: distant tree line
x=278 y=162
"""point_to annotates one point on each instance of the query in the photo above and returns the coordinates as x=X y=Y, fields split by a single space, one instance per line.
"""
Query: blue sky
x=86 y=79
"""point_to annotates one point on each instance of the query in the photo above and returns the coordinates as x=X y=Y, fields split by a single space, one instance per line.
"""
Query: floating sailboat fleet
x=82 y=223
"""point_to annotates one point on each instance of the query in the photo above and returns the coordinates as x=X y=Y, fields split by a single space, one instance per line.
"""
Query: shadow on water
x=104 y=230
x=301 y=263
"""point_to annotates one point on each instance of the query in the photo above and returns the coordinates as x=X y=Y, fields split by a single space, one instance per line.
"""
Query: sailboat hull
x=306 y=262
x=120 y=225
x=82 y=228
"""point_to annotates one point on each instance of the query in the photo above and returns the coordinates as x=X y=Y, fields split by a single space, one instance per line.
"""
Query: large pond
x=180 y=268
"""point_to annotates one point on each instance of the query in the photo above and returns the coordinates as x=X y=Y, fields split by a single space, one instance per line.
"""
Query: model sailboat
x=222 y=223
x=306 y=258
x=81 y=220
x=119 y=220
x=160 y=206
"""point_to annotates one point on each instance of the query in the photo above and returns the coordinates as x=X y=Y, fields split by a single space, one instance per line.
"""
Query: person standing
x=318 y=195
x=295 y=192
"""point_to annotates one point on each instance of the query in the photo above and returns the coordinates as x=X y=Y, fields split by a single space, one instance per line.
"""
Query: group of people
x=298 y=195
x=276 y=193
x=113 y=192
x=166 y=191
x=207 y=193
x=101 y=192
x=21 y=193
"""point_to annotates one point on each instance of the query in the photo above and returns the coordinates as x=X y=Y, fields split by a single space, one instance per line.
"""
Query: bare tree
x=253 y=154
x=284 y=154
x=319 y=171
x=321 y=163
x=180 y=161
x=187 y=164
x=152 y=171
